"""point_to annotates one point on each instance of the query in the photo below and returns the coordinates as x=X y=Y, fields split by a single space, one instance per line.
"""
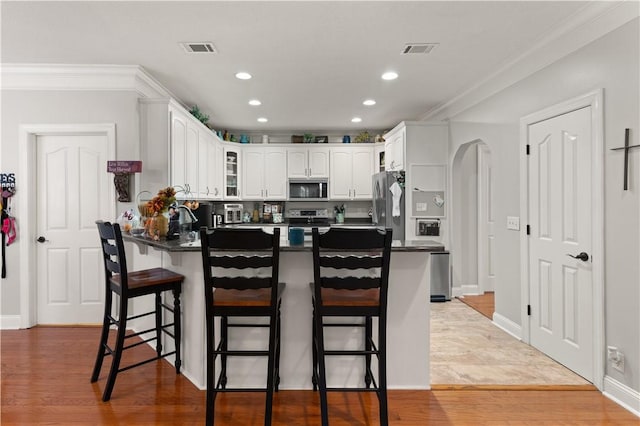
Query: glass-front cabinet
x=232 y=174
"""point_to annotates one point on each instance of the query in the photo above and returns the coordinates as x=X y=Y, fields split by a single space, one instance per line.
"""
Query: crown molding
x=82 y=77
x=585 y=26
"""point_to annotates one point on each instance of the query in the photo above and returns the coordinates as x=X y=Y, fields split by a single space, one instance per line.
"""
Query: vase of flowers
x=157 y=210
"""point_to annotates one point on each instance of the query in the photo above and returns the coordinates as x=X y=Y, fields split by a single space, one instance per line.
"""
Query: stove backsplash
x=353 y=209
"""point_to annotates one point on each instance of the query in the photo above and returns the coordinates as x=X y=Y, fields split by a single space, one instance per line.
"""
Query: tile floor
x=467 y=349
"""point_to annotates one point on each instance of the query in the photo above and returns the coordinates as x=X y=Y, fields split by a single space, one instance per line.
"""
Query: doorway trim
x=594 y=100
x=459 y=264
x=28 y=134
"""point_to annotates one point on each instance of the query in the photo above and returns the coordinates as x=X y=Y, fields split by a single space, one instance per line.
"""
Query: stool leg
x=314 y=349
x=322 y=377
x=382 y=370
x=177 y=326
x=211 y=393
x=368 y=331
x=270 y=368
x=104 y=336
x=277 y=356
x=117 y=355
x=158 y=323
x=224 y=336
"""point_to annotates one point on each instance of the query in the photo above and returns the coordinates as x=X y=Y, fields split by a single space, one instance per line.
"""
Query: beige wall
x=610 y=63
x=56 y=107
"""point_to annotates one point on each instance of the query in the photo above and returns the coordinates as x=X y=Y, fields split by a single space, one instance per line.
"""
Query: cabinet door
x=394 y=151
x=379 y=155
x=362 y=169
x=204 y=146
x=178 y=150
x=216 y=168
x=340 y=181
x=275 y=174
x=231 y=174
x=191 y=163
x=253 y=177
x=318 y=162
x=297 y=166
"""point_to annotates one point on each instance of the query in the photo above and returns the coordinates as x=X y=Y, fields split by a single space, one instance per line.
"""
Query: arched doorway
x=473 y=222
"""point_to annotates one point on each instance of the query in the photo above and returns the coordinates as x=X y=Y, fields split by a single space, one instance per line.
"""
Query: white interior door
x=486 y=222
x=561 y=287
x=72 y=193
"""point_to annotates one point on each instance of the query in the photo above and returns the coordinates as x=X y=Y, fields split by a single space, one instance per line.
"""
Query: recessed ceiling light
x=356 y=119
x=389 y=75
x=243 y=75
x=254 y=102
x=262 y=120
x=369 y=102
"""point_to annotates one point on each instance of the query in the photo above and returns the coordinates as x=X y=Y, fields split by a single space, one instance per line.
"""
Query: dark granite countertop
x=183 y=246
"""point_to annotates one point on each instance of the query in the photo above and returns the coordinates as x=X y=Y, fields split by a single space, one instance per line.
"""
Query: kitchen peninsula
x=407 y=326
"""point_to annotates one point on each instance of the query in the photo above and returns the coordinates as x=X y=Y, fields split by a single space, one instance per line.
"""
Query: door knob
x=41 y=239
x=582 y=256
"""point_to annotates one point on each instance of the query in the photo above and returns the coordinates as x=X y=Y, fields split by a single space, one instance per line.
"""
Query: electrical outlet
x=513 y=222
x=616 y=358
x=618 y=361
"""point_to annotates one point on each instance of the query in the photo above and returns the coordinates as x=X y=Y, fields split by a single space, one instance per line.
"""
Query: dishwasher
x=440 y=277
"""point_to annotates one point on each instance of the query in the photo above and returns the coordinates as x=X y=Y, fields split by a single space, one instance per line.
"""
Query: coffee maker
x=203 y=214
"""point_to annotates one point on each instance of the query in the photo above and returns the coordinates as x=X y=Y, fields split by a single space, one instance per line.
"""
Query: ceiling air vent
x=198 y=47
x=418 y=48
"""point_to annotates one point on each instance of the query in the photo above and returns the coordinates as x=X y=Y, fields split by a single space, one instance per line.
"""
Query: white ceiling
x=313 y=63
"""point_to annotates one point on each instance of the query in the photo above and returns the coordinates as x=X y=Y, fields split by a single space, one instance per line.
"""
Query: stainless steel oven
x=308 y=190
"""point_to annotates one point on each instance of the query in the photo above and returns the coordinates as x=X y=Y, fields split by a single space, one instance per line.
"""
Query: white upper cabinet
x=185 y=140
x=264 y=173
x=178 y=160
x=216 y=171
x=379 y=158
x=308 y=162
x=275 y=174
x=351 y=170
x=231 y=172
x=210 y=163
x=394 y=148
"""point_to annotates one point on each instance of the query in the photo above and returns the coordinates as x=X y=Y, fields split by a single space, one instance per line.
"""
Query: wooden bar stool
x=241 y=280
x=337 y=291
x=128 y=285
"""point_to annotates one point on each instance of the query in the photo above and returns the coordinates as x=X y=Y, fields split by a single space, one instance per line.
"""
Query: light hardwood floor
x=45 y=380
x=468 y=349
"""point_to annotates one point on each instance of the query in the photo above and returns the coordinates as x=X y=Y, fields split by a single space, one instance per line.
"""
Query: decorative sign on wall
x=7 y=222
x=8 y=180
x=123 y=171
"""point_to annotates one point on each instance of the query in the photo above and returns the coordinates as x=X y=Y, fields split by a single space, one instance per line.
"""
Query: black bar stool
x=348 y=294
x=128 y=285
x=236 y=284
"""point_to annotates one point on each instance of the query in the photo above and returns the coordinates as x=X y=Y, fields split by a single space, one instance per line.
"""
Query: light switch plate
x=513 y=222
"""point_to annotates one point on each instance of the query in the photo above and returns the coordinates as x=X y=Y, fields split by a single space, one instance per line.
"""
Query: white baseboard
x=9 y=322
x=507 y=325
x=465 y=290
x=622 y=395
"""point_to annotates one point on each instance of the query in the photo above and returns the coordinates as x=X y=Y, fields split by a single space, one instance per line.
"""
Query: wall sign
x=124 y=166
x=122 y=171
x=8 y=180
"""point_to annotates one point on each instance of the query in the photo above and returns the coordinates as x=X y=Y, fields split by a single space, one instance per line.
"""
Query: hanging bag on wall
x=5 y=216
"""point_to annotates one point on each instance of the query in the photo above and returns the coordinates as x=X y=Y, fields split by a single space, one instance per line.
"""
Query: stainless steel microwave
x=308 y=190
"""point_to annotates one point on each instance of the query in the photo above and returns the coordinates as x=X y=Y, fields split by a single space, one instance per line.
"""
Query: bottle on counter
x=256 y=214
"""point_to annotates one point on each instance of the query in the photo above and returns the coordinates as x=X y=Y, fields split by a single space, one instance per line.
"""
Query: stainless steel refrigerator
x=389 y=202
